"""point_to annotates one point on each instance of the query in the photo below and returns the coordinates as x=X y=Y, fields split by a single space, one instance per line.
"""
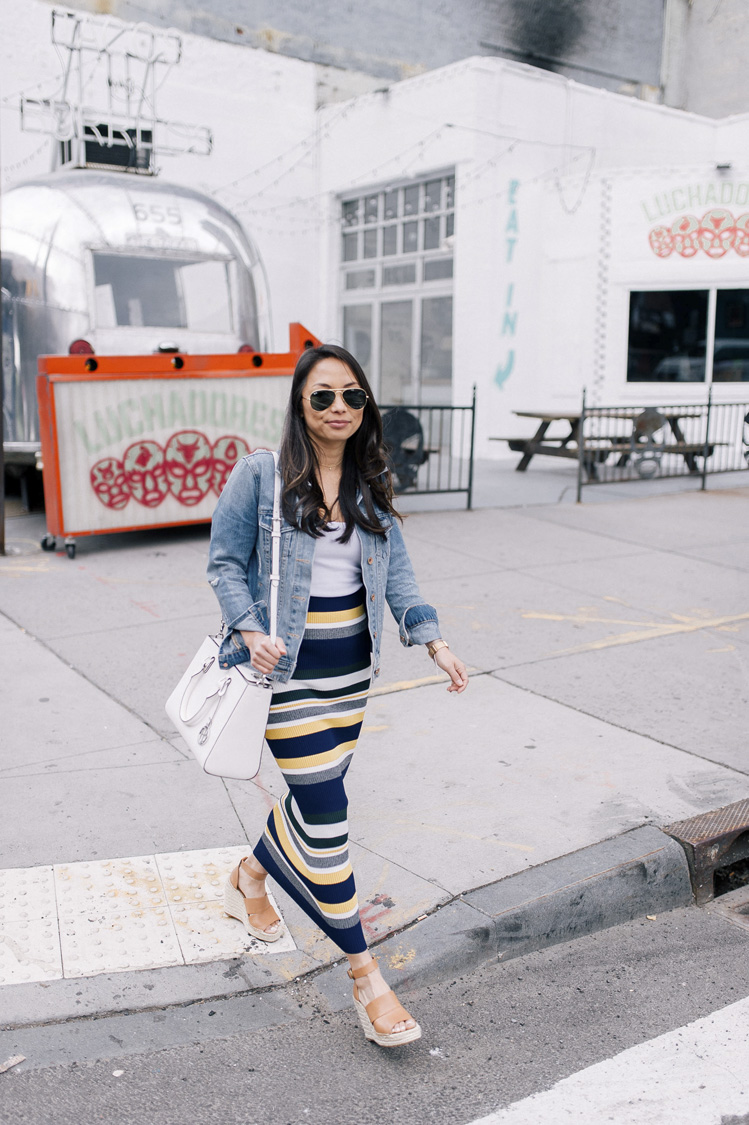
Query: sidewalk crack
x=608 y=722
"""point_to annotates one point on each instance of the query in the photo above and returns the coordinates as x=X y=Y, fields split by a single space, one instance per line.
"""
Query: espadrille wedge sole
x=385 y=1009
x=237 y=906
x=391 y=1039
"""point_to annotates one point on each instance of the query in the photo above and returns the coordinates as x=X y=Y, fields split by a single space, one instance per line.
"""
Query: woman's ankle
x=360 y=960
x=252 y=887
x=253 y=865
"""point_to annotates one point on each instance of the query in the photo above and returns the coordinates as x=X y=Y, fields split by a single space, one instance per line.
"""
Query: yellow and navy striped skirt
x=313 y=727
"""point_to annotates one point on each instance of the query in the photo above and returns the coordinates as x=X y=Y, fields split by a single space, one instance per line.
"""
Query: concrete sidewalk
x=610 y=648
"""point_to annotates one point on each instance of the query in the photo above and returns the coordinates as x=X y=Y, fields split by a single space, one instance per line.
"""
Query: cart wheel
x=48 y=542
x=70 y=550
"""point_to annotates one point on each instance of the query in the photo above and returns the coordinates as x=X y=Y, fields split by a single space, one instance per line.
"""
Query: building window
x=357 y=333
x=437 y=342
x=667 y=332
x=401 y=329
x=360 y=279
x=668 y=336
x=731 y=354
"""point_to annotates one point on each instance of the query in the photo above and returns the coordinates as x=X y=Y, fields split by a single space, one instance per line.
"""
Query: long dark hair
x=365 y=473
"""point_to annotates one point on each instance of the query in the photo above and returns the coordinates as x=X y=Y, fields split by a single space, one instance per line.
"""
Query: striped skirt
x=313 y=726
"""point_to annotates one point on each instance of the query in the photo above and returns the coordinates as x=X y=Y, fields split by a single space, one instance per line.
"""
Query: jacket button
x=370 y=561
x=375 y=634
x=377 y=671
x=371 y=597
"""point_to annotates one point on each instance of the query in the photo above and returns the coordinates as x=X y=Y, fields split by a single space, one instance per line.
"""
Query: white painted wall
x=550 y=226
x=551 y=231
x=261 y=110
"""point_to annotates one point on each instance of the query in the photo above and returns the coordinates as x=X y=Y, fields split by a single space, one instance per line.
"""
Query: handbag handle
x=219 y=691
x=275 y=574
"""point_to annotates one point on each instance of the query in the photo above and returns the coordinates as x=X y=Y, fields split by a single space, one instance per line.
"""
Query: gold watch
x=434 y=647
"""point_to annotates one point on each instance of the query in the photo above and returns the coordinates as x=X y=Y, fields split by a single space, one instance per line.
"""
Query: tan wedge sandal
x=237 y=906
x=382 y=1014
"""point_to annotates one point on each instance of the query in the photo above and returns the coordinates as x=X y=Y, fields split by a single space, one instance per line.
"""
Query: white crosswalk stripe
x=696 y=1075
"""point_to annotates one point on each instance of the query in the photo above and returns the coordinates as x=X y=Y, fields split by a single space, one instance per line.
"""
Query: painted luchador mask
x=189 y=466
x=109 y=483
x=226 y=453
x=146 y=473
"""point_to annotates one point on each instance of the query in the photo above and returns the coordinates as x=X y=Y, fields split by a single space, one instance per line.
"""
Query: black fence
x=430 y=448
x=643 y=443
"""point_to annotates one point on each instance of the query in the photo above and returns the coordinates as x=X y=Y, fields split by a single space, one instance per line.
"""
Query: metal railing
x=430 y=448
x=644 y=443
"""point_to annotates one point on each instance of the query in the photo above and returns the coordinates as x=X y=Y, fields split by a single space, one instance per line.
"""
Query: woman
x=342 y=557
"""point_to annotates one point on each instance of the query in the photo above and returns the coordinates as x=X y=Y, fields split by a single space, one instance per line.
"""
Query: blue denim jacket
x=240 y=563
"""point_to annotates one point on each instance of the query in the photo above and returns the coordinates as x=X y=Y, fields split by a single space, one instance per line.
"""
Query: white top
x=336 y=568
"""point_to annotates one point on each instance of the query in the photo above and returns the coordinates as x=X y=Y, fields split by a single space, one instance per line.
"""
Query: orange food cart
x=133 y=442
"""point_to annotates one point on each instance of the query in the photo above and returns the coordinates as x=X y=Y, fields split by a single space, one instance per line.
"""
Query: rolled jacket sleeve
x=418 y=623
x=234 y=533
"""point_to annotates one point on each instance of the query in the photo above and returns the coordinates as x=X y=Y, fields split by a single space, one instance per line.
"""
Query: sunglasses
x=354 y=397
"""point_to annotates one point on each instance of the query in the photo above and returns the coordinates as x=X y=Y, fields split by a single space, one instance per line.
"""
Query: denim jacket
x=240 y=563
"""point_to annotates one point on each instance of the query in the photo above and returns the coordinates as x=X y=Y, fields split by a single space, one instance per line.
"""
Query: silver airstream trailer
x=110 y=263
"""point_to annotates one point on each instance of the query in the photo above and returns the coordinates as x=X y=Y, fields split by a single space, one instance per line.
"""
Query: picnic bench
x=597 y=448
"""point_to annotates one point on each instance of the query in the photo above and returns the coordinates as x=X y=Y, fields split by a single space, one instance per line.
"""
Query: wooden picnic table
x=567 y=445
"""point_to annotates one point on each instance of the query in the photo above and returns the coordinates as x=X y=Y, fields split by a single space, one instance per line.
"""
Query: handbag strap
x=218 y=693
x=275 y=574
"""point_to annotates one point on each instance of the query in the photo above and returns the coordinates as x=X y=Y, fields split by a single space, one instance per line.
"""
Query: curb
x=643 y=871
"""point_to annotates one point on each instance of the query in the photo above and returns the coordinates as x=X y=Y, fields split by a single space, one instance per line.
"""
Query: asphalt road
x=490 y=1038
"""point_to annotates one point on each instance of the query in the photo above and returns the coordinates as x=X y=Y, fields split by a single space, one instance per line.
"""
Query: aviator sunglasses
x=354 y=397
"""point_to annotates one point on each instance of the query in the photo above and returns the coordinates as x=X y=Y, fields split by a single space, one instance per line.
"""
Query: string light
x=310 y=140
x=547 y=174
x=359 y=181
x=401 y=161
x=10 y=169
x=520 y=140
x=321 y=133
x=420 y=145
x=467 y=178
x=476 y=174
x=586 y=178
x=8 y=98
x=314 y=137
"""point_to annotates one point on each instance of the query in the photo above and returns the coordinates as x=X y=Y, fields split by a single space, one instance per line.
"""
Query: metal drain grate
x=734 y=907
x=712 y=840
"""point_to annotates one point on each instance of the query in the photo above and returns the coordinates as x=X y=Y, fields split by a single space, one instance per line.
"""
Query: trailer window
x=145 y=292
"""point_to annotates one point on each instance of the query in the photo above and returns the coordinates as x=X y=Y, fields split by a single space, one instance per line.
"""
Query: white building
x=485 y=223
x=595 y=241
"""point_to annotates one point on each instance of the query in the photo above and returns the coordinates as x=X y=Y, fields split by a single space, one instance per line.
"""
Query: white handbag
x=222 y=713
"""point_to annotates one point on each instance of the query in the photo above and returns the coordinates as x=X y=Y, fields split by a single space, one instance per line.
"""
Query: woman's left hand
x=454 y=667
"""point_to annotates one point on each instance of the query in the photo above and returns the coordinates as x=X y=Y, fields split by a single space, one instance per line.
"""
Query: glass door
x=396 y=346
x=357 y=334
x=436 y=356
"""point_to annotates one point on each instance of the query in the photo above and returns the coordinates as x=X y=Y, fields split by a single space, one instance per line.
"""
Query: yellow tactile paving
x=120 y=915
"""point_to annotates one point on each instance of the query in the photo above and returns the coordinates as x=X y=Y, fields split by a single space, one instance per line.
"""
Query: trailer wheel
x=70 y=550
x=48 y=542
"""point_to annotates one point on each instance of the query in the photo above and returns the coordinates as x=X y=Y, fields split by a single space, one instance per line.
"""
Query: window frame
x=417 y=290
x=177 y=259
x=712 y=289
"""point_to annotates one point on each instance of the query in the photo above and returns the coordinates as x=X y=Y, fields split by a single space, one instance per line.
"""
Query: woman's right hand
x=264 y=655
